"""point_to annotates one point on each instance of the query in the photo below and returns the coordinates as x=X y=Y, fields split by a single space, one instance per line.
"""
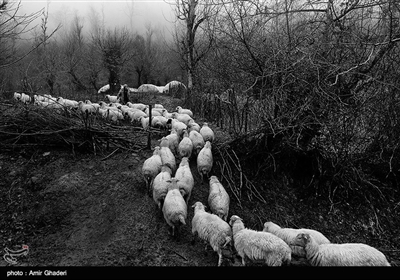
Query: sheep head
x=302 y=239
x=268 y=226
x=233 y=219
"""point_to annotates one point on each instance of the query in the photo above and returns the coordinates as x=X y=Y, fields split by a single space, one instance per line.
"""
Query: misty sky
x=119 y=13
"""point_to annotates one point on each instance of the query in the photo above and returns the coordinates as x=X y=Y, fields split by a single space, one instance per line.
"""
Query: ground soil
x=92 y=210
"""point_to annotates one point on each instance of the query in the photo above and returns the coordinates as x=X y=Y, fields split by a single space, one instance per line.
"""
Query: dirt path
x=88 y=210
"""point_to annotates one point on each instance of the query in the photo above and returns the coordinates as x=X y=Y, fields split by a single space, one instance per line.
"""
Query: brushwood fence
x=231 y=110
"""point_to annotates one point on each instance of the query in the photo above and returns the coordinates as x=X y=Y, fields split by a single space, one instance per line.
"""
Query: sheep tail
x=182 y=220
x=228 y=239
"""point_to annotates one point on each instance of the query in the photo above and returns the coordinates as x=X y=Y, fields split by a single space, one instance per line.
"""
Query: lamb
x=207 y=133
x=205 y=161
x=218 y=199
x=258 y=245
x=185 y=177
x=151 y=167
x=185 y=146
x=289 y=234
x=160 y=186
x=174 y=207
x=346 y=254
x=184 y=111
x=197 y=140
x=211 y=228
x=167 y=157
x=113 y=98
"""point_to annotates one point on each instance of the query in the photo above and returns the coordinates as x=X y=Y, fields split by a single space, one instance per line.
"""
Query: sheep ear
x=168 y=181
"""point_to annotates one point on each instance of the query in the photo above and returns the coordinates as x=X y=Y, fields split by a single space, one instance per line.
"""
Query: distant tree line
x=79 y=58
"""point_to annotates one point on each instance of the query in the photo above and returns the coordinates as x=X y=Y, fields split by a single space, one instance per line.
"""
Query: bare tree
x=74 y=53
x=15 y=31
x=195 y=15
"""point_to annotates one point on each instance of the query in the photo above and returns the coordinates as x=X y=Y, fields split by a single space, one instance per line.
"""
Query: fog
x=134 y=15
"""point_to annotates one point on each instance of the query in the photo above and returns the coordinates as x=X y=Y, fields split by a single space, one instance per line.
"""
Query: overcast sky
x=117 y=13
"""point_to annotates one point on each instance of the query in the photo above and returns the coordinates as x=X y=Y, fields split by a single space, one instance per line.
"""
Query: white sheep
x=173 y=141
x=211 y=228
x=94 y=104
x=180 y=110
x=258 y=245
x=139 y=106
x=205 y=160
x=135 y=115
x=167 y=157
x=114 y=115
x=174 y=207
x=24 y=98
x=346 y=254
x=160 y=186
x=166 y=114
x=197 y=140
x=113 y=98
x=144 y=121
x=87 y=108
x=289 y=234
x=185 y=177
x=159 y=106
x=182 y=117
x=151 y=167
x=17 y=96
x=68 y=102
x=207 y=133
x=218 y=199
x=159 y=122
x=154 y=112
x=192 y=125
x=185 y=146
x=178 y=126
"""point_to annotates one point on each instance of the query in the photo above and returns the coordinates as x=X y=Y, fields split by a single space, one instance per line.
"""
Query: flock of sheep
x=171 y=185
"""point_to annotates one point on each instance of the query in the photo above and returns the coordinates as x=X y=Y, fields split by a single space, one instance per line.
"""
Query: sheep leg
x=243 y=261
x=219 y=257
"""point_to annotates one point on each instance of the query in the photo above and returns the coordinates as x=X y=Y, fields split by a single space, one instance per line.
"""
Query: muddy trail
x=93 y=210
